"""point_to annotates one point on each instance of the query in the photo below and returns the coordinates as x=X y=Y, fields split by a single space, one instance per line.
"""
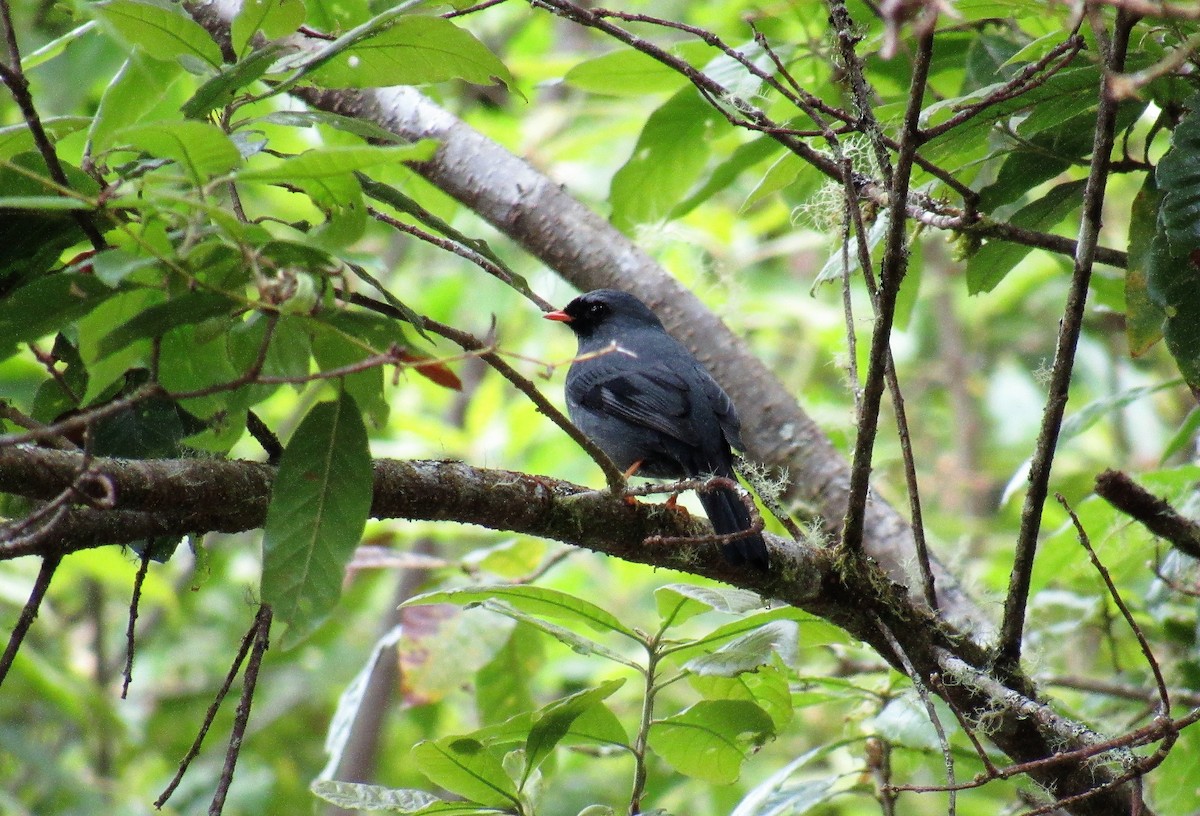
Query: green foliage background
x=193 y=290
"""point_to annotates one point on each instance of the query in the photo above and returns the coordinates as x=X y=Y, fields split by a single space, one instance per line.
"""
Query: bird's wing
x=722 y=406
x=651 y=396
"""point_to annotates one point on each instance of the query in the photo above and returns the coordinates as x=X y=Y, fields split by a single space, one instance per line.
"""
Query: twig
x=1164 y=698
x=471 y=343
x=895 y=260
x=1159 y=517
x=12 y=76
x=1028 y=78
x=472 y=9
x=83 y=418
x=265 y=437
x=138 y=580
x=1008 y=649
x=847 y=40
x=262 y=630
x=458 y=248
x=209 y=716
x=29 y=612
x=1123 y=690
x=935 y=680
x=923 y=692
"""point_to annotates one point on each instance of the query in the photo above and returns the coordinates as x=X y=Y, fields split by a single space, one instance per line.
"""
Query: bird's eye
x=596 y=308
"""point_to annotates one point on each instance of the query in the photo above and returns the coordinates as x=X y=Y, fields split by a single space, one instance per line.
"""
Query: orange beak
x=561 y=317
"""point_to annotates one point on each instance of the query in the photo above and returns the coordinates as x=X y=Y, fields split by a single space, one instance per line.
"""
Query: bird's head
x=605 y=311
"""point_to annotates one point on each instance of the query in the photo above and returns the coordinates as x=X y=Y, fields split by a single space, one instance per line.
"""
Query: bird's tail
x=728 y=515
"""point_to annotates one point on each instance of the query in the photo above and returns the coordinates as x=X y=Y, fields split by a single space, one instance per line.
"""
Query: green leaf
x=503 y=687
x=745 y=156
x=220 y=90
x=987 y=267
x=17 y=138
x=414 y=50
x=188 y=362
x=271 y=18
x=465 y=766
x=1143 y=318
x=327 y=162
x=47 y=305
x=576 y=642
x=767 y=688
x=34 y=230
x=356 y=796
x=711 y=739
x=162 y=30
x=157 y=320
x=318 y=509
x=289 y=352
x=670 y=153
x=540 y=601
x=750 y=651
x=201 y=149
x=1178 y=177
x=678 y=602
x=552 y=722
x=142 y=88
x=106 y=369
x=624 y=72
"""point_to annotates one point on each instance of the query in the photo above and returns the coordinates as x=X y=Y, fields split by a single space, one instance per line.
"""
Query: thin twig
x=262 y=630
x=895 y=261
x=29 y=612
x=1008 y=649
x=209 y=716
x=138 y=580
x=927 y=701
x=14 y=77
x=1164 y=697
x=471 y=343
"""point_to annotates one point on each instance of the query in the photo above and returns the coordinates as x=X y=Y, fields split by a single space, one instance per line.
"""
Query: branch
x=175 y=497
x=1154 y=513
x=1008 y=648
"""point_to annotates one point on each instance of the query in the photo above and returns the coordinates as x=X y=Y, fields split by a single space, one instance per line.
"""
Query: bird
x=650 y=405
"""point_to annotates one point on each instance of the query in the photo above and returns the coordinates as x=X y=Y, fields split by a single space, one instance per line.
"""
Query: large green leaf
x=624 y=72
x=186 y=309
x=669 y=155
x=271 y=18
x=318 y=509
x=200 y=149
x=552 y=723
x=678 y=602
x=1178 y=177
x=47 y=305
x=142 y=90
x=163 y=30
x=711 y=739
x=467 y=767
x=536 y=600
x=987 y=267
x=751 y=650
x=414 y=50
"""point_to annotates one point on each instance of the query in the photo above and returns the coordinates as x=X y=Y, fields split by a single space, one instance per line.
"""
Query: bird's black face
x=587 y=314
x=604 y=307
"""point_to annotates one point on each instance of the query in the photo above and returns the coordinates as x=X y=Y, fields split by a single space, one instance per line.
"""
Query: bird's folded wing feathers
x=653 y=397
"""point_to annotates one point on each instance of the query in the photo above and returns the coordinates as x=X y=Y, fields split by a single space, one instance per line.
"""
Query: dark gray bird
x=648 y=403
